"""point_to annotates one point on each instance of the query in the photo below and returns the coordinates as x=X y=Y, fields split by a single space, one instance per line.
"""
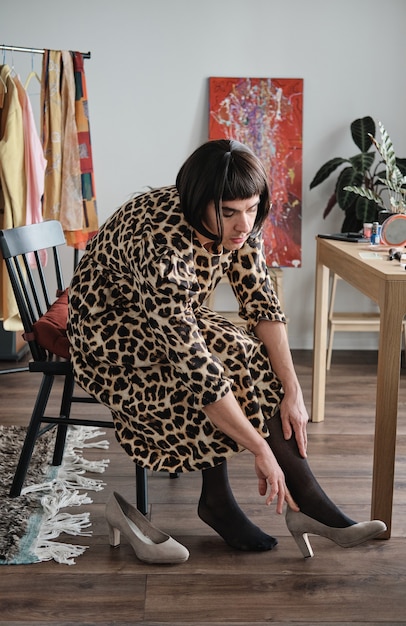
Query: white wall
x=148 y=89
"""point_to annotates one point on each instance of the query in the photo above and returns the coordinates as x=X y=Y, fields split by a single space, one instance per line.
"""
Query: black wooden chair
x=44 y=319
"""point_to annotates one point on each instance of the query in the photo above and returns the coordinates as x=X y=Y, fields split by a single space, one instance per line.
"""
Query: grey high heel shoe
x=300 y=525
x=148 y=542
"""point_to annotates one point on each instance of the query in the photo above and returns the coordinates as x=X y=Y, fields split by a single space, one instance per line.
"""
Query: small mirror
x=393 y=231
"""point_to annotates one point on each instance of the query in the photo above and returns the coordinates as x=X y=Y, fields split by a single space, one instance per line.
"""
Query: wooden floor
x=362 y=585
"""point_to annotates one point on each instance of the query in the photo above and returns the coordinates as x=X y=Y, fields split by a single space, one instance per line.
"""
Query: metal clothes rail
x=85 y=55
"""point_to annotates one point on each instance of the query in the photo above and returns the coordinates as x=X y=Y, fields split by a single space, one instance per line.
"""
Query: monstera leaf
x=359 y=184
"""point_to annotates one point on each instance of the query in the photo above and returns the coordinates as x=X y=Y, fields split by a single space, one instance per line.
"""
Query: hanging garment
x=34 y=163
x=69 y=187
x=12 y=182
x=34 y=160
x=78 y=239
x=62 y=194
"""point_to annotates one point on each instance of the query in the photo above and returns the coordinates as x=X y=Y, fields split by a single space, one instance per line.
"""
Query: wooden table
x=384 y=282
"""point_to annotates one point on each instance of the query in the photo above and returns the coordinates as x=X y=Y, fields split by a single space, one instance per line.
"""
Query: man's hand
x=270 y=475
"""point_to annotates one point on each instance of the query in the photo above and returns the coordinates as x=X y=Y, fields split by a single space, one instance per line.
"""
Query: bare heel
x=114 y=536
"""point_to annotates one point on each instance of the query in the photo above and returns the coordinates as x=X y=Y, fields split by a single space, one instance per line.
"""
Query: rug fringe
x=79 y=437
x=62 y=498
x=62 y=492
x=60 y=552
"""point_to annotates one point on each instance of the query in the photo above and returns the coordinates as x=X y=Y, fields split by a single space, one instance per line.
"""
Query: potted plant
x=362 y=184
x=394 y=182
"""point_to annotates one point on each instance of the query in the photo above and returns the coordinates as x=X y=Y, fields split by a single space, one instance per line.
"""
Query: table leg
x=320 y=342
x=390 y=337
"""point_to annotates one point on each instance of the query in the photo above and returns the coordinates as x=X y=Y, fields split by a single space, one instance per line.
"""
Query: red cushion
x=50 y=329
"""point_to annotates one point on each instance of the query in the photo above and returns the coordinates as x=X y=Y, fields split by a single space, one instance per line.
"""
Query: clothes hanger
x=12 y=72
x=32 y=74
x=1 y=77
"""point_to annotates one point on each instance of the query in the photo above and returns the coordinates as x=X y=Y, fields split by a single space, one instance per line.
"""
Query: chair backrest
x=21 y=249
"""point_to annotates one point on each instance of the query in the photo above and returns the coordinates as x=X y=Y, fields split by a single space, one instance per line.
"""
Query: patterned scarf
x=69 y=194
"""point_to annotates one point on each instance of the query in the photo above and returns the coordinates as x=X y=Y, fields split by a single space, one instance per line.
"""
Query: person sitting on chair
x=186 y=387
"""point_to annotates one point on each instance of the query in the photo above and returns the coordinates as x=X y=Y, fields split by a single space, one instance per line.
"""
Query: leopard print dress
x=144 y=344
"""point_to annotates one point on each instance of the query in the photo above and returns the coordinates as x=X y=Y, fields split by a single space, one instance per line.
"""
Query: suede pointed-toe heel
x=300 y=526
x=148 y=542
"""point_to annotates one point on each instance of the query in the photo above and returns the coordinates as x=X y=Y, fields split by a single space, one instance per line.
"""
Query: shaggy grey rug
x=30 y=523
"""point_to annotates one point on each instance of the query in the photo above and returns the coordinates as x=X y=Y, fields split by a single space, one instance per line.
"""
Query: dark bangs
x=220 y=170
x=242 y=182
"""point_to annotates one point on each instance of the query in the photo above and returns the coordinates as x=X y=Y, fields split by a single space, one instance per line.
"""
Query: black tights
x=219 y=509
x=300 y=480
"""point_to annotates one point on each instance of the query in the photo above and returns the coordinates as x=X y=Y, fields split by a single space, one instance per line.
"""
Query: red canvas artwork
x=266 y=115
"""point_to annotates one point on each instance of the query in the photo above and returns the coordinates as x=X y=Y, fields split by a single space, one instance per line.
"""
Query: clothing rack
x=85 y=55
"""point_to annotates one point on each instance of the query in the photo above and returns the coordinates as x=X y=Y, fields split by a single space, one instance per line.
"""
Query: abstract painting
x=266 y=115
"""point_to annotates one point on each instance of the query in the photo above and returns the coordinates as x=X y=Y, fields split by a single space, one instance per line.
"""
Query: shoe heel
x=303 y=544
x=114 y=536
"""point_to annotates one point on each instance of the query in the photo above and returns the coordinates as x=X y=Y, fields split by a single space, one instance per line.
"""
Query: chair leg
x=141 y=482
x=333 y=289
x=330 y=346
x=32 y=435
x=65 y=408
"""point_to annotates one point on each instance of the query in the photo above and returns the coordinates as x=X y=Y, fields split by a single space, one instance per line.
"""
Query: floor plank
x=217 y=585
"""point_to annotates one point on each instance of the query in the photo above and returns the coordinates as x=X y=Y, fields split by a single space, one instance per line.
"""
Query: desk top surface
x=368 y=260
